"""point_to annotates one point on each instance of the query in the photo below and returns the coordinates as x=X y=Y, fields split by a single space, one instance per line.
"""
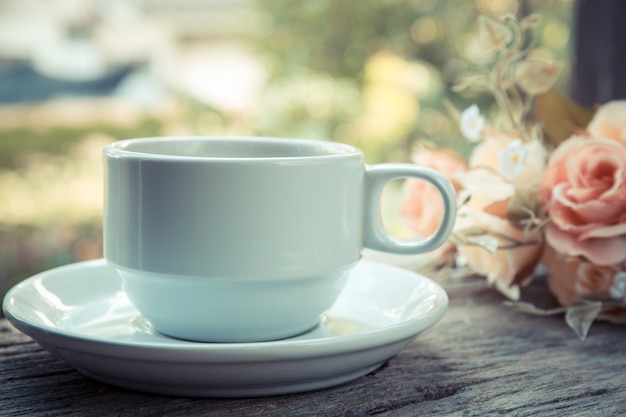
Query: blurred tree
x=387 y=67
x=373 y=73
x=338 y=37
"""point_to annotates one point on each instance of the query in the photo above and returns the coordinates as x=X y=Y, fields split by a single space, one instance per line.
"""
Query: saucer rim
x=284 y=349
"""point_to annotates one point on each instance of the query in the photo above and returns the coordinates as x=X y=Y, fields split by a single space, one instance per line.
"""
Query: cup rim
x=335 y=149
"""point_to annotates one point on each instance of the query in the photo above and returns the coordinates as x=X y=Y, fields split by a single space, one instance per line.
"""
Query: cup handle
x=375 y=237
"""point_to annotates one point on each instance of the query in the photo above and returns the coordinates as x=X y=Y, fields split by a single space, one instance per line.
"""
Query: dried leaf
x=529 y=308
x=518 y=216
x=560 y=116
x=473 y=231
x=536 y=76
x=581 y=317
x=493 y=35
x=490 y=244
x=531 y=21
x=522 y=207
x=470 y=81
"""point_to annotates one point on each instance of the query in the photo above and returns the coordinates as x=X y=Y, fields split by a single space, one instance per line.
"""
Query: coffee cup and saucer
x=233 y=267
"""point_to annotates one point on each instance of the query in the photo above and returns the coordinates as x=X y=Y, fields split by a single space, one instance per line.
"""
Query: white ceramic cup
x=245 y=239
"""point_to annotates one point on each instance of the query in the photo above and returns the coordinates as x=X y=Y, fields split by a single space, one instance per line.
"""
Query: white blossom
x=472 y=123
x=512 y=158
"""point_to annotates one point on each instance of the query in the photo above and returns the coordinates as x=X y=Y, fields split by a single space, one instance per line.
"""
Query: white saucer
x=80 y=313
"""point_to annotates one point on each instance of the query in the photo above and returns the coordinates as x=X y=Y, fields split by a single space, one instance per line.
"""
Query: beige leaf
x=531 y=21
x=536 y=77
x=581 y=317
x=490 y=244
x=530 y=308
x=473 y=231
x=493 y=35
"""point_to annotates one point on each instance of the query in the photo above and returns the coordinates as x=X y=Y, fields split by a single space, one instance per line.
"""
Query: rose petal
x=610 y=121
x=601 y=251
x=485 y=186
x=500 y=267
x=595 y=211
x=604 y=232
x=585 y=194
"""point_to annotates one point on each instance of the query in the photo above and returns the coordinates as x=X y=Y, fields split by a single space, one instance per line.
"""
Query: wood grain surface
x=482 y=359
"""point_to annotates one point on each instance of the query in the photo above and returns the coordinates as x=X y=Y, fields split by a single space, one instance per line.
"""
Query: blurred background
x=78 y=74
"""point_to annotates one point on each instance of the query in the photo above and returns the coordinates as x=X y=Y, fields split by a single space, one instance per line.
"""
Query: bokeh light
x=77 y=74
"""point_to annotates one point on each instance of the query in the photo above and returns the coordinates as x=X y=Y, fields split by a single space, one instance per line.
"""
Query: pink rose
x=487 y=210
x=502 y=266
x=488 y=191
x=610 y=122
x=572 y=279
x=584 y=193
x=422 y=207
x=486 y=213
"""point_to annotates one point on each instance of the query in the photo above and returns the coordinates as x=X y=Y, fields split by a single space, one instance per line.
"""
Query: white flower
x=512 y=158
x=618 y=290
x=472 y=123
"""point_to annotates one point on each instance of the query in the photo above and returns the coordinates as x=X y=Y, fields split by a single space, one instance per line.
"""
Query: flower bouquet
x=543 y=191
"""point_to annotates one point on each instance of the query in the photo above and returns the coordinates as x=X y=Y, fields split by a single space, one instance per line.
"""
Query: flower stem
x=499 y=87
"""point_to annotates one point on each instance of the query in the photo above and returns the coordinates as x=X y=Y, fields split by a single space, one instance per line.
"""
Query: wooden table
x=482 y=359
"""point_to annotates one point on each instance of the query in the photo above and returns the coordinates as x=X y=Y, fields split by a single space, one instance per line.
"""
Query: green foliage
x=337 y=37
x=337 y=41
x=373 y=73
x=18 y=142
